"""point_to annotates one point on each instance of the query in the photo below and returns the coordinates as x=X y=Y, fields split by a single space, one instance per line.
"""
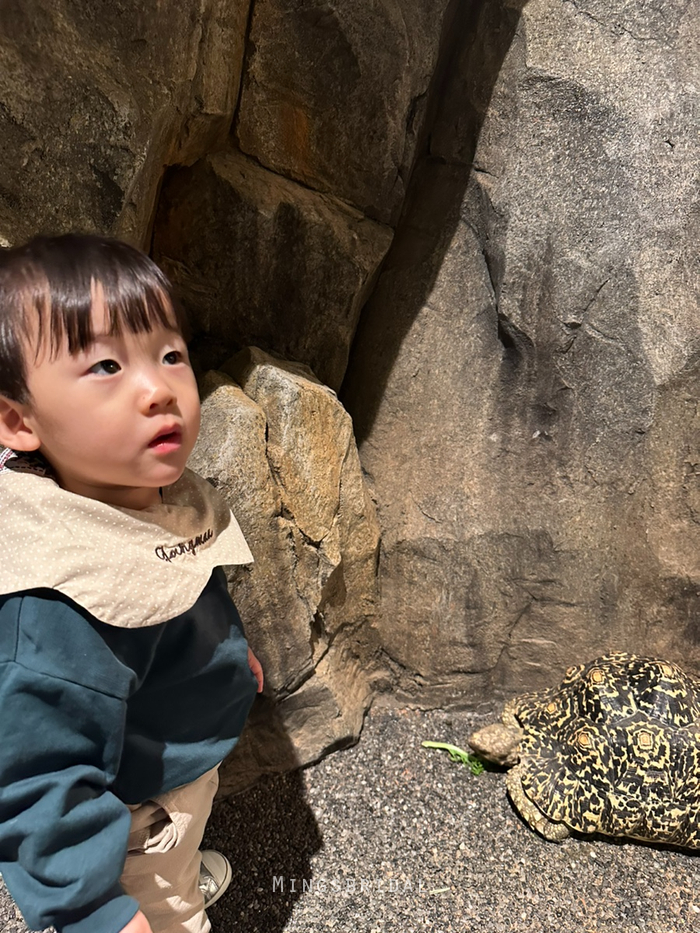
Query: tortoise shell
x=615 y=749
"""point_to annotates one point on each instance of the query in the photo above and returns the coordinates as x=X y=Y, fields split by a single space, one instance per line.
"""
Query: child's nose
x=158 y=392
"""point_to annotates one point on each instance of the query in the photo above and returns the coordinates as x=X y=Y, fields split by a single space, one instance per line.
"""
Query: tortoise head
x=497 y=743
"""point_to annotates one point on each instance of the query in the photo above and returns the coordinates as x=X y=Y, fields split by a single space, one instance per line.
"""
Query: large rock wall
x=525 y=380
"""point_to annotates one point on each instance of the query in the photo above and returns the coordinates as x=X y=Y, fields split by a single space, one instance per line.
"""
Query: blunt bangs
x=46 y=293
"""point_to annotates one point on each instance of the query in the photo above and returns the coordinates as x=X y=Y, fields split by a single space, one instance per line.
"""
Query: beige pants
x=162 y=864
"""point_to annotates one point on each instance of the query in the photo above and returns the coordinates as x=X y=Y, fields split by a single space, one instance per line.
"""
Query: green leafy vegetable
x=474 y=763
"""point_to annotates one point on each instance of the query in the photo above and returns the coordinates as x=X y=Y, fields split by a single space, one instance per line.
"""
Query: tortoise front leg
x=530 y=812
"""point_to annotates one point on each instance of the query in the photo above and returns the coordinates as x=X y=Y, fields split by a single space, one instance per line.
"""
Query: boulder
x=335 y=93
x=262 y=260
x=95 y=99
x=524 y=379
x=279 y=446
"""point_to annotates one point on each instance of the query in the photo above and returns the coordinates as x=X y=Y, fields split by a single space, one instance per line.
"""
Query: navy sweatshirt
x=95 y=717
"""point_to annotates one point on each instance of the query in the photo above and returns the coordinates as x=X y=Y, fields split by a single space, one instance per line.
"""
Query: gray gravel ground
x=389 y=836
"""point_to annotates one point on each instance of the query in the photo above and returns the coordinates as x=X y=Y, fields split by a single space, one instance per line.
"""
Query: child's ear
x=15 y=430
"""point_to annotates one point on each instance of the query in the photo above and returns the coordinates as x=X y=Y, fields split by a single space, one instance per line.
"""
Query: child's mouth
x=165 y=443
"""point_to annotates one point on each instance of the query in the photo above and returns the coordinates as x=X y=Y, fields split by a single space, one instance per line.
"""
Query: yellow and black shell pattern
x=615 y=749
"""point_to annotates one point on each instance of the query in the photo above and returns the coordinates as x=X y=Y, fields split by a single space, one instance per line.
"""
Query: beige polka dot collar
x=128 y=568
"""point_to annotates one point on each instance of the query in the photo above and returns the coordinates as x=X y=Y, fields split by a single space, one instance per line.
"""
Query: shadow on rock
x=476 y=46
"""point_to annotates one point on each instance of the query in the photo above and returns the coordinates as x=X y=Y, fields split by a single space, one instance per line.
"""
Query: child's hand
x=256 y=668
x=138 y=924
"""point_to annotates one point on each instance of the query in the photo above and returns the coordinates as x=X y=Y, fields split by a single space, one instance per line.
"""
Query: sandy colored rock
x=261 y=260
x=231 y=453
x=279 y=446
x=313 y=458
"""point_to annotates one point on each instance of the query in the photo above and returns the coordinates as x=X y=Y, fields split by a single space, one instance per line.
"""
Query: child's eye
x=174 y=356
x=106 y=367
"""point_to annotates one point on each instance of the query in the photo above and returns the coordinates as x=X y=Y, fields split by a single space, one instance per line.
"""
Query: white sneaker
x=214 y=876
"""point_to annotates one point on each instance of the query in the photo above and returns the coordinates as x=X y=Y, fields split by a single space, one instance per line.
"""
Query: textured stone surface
x=95 y=99
x=335 y=93
x=261 y=260
x=280 y=447
x=673 y=521
x=524 y=381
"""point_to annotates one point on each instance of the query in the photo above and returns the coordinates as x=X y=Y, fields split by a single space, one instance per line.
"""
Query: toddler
x=125 y=677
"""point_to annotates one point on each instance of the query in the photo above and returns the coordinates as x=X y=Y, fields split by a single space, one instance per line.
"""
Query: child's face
x=119 y=420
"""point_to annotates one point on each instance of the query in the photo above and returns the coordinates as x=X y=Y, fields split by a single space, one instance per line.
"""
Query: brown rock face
x=525 y=377
x=96 y=98
x=261 y=259
x=335 y=93
x=280 y=446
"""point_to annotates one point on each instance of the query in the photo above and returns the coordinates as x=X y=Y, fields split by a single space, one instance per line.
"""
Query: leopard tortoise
x=614 y=749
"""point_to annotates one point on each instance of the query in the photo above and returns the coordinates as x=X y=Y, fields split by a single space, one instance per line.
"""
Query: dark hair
x=46 y=293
